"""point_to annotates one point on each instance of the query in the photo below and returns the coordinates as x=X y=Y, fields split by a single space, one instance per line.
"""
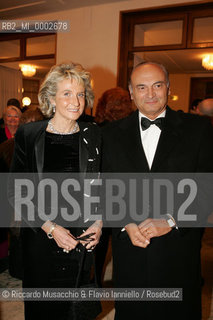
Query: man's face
x=149 y=90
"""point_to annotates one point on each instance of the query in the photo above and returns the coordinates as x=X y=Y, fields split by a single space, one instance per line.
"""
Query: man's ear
x=130 y=91
x=169 y=91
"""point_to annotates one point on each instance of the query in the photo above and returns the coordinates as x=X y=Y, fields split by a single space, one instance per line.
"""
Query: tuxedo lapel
x=131 y=143
x=169 y=138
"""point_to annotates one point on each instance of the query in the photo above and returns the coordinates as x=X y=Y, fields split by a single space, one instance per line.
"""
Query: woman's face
x=11 y=118
x=69 y=100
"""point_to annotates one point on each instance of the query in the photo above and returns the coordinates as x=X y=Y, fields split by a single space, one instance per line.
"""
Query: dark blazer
x=29 y=150
x=29 y=147
x=172 y=260
x=3 y=136
x=29 y=158
x=45 y=265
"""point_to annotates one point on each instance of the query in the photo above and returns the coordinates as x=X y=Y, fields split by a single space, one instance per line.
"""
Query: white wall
x=94 y=36
x=10 y=86
x=180 y=86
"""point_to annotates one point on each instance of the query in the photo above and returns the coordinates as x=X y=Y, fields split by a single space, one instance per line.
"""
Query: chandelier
x=26 y=101
x=28 y=70
x=207 y=62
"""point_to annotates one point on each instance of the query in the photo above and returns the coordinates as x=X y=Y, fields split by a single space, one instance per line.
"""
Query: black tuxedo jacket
x=172 y=260
x=184 y=145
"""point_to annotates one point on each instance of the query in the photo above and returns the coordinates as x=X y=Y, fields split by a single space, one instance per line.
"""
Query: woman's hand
x=95 y=228
x=62 y=236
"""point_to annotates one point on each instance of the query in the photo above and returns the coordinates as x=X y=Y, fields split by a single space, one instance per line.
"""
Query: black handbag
x=85 y=310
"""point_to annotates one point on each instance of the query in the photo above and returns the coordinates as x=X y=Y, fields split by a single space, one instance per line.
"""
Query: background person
x=114 y=104
x=14 y=102
x=6 y=154
x=193 y=108
x=60 y=145
x=11 y=102
x=11 y=116
x=205 y=108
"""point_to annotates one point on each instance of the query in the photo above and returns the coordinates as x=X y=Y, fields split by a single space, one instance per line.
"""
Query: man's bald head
x=206 y=107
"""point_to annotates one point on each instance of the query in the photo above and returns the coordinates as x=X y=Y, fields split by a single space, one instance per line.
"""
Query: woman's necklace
x=52 y=129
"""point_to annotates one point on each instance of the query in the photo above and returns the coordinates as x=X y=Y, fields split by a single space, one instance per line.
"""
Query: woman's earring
x=53 y=108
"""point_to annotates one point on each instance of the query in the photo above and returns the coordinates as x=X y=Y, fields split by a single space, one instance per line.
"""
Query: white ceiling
x=176 y=61
x=13 y=9
x=42 y=66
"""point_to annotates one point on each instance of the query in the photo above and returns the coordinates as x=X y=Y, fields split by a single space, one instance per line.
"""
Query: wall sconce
x=174 y=98
x=26 y=101
x=28 y=70
x=207 y=62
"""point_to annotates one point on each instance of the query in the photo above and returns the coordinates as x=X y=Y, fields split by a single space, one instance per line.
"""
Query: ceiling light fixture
x=26 y=101
x=207 y=62
x=28 y=70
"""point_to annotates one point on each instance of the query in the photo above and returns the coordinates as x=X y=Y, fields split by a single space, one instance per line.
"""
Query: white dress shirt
x=150 y=137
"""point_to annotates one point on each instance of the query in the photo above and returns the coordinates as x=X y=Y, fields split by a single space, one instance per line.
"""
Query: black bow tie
x=146 y=123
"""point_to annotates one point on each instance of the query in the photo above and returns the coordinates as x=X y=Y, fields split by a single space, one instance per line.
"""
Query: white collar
x=161 y=115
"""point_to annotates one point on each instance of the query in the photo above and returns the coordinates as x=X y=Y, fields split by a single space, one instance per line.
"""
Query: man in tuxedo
x=156 y=253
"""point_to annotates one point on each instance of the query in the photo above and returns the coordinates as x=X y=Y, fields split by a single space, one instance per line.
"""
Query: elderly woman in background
x=11 y=116
x=6 y=154
x=114 y=104
x=51 y=253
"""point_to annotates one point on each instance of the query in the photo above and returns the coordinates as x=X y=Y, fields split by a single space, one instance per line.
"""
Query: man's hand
x=151 y=228
x=136 y=237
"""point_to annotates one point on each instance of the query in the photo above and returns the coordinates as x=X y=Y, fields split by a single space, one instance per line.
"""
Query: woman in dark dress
x=51 y=253
x=11 y=116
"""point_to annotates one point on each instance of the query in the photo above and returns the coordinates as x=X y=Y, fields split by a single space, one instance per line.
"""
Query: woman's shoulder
x=89 y=127
x=30 y=130
x=87 y=124
x=33 y=126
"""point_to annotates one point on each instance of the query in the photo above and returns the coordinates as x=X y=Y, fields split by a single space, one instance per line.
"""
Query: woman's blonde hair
x=11 y=108
x=59 y=73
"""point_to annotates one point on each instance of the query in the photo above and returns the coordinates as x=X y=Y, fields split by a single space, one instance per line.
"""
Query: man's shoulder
x=189 y=119
x=120 y=124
